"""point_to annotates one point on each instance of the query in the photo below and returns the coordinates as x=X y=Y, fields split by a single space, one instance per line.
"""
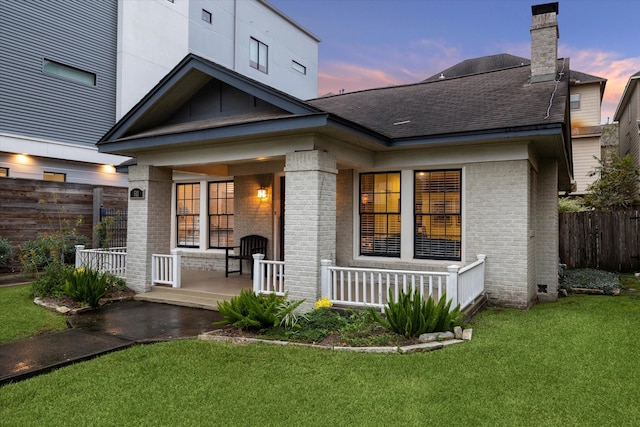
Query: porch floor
x=200 y=289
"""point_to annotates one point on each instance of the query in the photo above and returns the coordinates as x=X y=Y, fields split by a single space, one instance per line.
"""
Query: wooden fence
x=29 y=208
x=603 y=240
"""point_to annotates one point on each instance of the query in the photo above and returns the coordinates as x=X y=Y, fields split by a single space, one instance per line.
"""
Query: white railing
x=268 y=276
x=165 y=269
x=470 y=282
x=369 y=287
x=111 y=260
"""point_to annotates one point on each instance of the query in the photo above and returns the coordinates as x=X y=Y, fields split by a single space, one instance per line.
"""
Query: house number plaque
x=136 y=193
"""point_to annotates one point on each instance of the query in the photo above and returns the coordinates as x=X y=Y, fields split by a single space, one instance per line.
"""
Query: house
x=628 y=117
x=417 y=177
x=585 y=96
x=66 y=79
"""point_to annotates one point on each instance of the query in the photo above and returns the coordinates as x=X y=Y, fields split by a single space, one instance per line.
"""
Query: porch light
x=262 y=193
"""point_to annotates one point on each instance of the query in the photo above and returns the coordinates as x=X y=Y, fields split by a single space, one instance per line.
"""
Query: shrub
x=6 y=253
x=588 y=278
x=251 y=311
x=86 y=285
x=567 y=205
x=56 y=247
x=411 y=315
x=52 y=282
x=316 y=325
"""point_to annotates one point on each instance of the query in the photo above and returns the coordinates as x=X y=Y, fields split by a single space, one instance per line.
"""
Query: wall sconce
x=262 y=193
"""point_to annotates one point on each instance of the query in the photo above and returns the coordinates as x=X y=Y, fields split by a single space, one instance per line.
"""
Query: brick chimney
x=544 y=42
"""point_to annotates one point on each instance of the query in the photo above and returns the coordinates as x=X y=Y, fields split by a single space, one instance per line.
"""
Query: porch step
x=183 y=297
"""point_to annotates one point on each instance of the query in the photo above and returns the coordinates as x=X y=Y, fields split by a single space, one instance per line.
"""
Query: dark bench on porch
x=249 y=245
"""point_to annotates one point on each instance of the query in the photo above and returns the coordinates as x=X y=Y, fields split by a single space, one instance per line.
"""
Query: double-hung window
x=258 y=55
x=188 y=214
x=221 y=214
x=380 y=214
x=438 y=216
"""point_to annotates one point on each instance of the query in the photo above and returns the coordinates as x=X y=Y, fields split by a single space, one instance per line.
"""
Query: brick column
x=148 y=224
x=547 y=251
x=310 y=222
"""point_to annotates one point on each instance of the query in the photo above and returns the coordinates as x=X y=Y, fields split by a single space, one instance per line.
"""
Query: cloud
x=380 y=66
x=609 y=65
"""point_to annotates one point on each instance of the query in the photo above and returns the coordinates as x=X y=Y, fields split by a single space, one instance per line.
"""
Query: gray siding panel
x=81 y=34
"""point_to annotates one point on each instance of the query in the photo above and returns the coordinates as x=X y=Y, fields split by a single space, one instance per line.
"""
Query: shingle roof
x=478 y=102
x=481 y=65
x=500 y=62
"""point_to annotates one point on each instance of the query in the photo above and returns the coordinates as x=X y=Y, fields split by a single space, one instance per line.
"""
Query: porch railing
x=165 y=269
x=268 y=276
x=111 y=260
x=369 y=287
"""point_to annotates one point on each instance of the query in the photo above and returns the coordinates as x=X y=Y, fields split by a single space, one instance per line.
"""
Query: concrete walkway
x=109 y=328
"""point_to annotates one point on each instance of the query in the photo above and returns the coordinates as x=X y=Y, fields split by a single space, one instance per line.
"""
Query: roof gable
x=201 y=90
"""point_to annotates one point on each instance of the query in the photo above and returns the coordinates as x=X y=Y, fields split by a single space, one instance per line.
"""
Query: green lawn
x=570 y=363
x=21 y=318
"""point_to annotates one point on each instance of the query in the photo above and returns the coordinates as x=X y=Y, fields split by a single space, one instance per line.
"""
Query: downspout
x=235 y=44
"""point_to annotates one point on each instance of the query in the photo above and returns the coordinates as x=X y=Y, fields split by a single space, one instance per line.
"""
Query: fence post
x=452 y=284
x=177 y=270
x=258 y=275
x=325 y=278
x=78 y=255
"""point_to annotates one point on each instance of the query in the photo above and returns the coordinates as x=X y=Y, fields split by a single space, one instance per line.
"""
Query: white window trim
x=406 y=221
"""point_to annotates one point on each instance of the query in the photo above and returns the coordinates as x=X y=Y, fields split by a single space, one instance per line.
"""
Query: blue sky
x=373 y=43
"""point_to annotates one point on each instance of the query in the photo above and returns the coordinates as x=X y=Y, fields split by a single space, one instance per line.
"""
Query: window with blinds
x=221 y=214
x=188 y=214
x=438 y=217
x=380 y=214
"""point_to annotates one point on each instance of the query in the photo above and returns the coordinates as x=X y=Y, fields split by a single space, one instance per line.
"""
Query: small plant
x=86 y=285
x=568 y=205
x=588 y=278
x=411 y=315
x=6 y=254
x=251 y=311
x=52 y=282
x=323 y=303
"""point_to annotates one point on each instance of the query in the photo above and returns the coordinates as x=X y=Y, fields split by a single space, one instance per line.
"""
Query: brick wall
x=310 y=217
x=253 y=215
x=149 y=225
x=497 y=210
x=547 y=248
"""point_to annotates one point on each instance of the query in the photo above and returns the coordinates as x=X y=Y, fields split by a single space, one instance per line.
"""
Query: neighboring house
x=70 y=69
x=628 y=117
x=586 y=92
x=416 y=177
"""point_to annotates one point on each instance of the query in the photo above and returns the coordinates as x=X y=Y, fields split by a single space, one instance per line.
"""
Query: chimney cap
x=545 y=8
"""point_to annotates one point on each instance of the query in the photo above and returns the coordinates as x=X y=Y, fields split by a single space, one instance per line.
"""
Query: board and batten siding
x=80 y=34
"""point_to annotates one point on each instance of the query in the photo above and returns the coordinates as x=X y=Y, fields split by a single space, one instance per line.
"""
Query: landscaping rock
x=467 y=334
x=436 y=336
x=457 y=332
x=418 y=348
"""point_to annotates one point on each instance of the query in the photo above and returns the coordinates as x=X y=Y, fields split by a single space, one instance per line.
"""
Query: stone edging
x=70 y=311
x=432 y=341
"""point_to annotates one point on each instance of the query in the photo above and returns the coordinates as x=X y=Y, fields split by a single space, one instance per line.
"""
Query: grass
x=569 y=363
x=21 y=318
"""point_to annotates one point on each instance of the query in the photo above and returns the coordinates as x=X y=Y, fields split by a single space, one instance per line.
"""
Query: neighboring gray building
x=70 y=69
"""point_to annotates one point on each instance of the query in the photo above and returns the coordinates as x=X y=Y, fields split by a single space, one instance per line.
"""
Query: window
x=206 y=16
x=438 y=218
x=299 y=67
x=68 y=72
x=258 y=55
x=54 y=176
x=221 y=214
x=574 y=101
x=4 y=172
x=380 y=214
x=188 y=214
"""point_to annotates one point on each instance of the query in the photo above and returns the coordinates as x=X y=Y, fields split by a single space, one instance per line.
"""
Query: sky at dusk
x=374 y=43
